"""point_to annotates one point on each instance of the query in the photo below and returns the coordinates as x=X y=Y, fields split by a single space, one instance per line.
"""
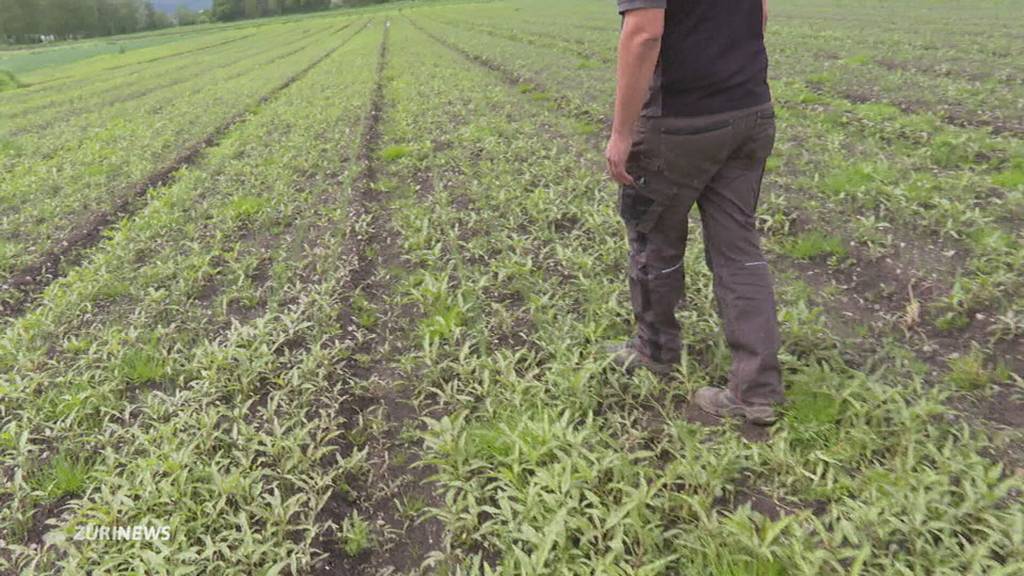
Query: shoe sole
x=761 y=420
x=630 y=365
x=752 y=415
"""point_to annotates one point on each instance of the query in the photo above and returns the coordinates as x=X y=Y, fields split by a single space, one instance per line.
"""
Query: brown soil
x=763 y=503
x=890 y=295
x=40 y=516
x=1001 y=413
x=1004 y=407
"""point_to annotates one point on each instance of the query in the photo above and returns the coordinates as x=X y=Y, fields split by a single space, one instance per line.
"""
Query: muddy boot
x=625 y=356
x=722 y=403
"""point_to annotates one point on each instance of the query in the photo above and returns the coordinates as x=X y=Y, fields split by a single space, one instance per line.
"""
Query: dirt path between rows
x=397 y=489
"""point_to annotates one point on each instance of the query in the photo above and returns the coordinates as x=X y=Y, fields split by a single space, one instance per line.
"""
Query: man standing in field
x=694 y=123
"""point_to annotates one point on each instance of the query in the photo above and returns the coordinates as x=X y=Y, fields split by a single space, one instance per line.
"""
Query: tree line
x=225 y=10
x=25 y=21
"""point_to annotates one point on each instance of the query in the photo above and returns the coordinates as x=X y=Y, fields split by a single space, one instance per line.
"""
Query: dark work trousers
x=717 y=162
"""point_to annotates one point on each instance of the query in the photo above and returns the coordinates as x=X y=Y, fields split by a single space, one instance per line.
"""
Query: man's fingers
x=616 y=158
x=619 y=174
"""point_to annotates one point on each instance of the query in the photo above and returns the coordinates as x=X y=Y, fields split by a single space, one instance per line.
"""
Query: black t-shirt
x=712 y=57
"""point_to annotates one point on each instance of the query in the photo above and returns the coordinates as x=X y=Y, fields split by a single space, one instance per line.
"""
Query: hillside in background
x=169 y=6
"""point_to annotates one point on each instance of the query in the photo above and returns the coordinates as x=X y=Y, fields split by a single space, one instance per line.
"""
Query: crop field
x=326 y=295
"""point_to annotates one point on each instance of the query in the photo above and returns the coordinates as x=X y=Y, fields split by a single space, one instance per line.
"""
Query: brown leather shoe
x=626 y=356
x=722 y=403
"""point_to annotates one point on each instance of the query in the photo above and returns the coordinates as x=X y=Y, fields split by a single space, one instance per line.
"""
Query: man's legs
x=656 y=279
x=672 y=160
x=743 y=283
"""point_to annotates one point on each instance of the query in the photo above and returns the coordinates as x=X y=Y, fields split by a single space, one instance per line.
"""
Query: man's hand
x=616 y=154
x=639 y=47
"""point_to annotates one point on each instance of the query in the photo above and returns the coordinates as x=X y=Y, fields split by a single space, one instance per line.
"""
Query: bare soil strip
x=28 y=282
x=398 y=481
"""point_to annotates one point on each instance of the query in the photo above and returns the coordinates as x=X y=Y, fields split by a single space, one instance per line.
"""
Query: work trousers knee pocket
x=639 y=209
x=655 y=252
x=654 y=263
x=743 y=276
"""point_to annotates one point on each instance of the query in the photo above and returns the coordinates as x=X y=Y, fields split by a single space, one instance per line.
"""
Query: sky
x=169 y=6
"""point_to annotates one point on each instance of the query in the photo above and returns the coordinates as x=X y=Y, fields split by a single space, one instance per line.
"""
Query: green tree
x=185 y=17
x=251 y=9
x=226 y=10
x=19 y=19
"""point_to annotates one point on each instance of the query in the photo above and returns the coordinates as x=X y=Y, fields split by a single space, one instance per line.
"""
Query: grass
x=810 y=245
x=143 y=366
x=356 y=536
x=8 y=81
x=971 y=372
x=1012 y=177
x=248 y=207
x=394 y=152
x=64 y=475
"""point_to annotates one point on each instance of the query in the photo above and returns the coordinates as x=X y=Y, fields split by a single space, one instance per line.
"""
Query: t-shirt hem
x=689 y=109
x=627 y=5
